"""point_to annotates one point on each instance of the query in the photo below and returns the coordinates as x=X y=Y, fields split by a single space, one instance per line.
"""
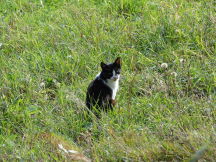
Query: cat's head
x=111 y=71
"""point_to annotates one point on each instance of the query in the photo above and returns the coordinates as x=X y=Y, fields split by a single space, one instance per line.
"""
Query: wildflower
x=164 y=65
x=42 y=85
x=181 y=60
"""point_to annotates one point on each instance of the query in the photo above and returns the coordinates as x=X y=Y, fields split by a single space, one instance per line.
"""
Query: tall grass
x=51 y=50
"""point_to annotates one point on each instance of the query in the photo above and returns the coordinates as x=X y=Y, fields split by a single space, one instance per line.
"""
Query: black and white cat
x=102 y=90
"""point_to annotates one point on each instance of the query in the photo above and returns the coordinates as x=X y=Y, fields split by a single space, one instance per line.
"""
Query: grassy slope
x=51 y=51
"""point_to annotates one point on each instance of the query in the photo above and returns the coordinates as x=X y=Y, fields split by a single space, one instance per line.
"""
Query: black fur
x=99 y=95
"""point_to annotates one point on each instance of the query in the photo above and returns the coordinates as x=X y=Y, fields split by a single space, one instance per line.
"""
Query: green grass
x=51 y=50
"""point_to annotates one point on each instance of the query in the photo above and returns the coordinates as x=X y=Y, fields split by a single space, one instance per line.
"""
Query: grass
x=51 y=50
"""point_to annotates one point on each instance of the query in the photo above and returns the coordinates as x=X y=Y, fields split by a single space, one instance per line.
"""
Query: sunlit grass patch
x=51 y=50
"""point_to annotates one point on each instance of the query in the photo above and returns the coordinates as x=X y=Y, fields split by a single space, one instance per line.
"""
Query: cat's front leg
x=113 y=102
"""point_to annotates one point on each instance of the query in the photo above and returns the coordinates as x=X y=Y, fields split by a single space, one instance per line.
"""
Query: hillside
x=50 y=50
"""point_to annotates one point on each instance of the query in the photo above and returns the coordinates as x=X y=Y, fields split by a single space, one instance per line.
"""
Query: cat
x=102 y=90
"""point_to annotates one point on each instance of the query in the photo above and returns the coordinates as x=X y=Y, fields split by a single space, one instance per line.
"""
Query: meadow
x=50 y=50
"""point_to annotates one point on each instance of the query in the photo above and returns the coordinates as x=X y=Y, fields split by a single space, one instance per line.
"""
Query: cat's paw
x=113 y=102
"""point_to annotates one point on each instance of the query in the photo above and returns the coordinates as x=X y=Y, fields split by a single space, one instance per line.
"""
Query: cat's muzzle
x=115 y=78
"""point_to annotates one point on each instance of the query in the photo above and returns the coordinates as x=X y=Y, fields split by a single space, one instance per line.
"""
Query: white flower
x=164 y=65
x=42 y=84
x=181 y=60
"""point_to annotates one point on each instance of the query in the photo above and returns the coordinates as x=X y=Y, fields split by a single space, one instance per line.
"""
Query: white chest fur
x=114 y=85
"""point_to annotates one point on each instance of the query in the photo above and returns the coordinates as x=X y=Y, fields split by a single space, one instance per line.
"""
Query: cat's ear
x=118 y=61
x=103 y=65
